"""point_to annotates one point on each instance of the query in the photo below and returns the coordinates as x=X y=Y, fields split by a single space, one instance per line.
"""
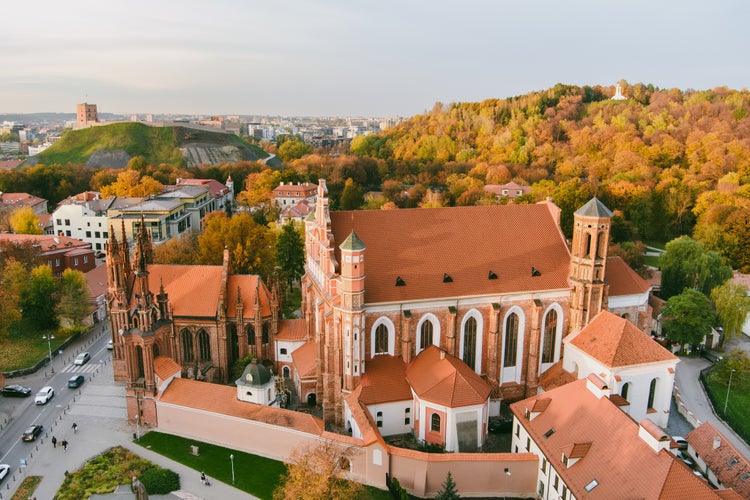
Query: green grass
x=739 y=400
x=25 y=347
x=651 y=260
x=253 y=474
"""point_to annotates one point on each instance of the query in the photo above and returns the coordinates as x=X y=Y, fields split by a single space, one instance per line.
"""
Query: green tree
x=13 y=279
x=38 y=299
x=290 y=253
x=25 y=221
x=737 y=360
x=732 y=306
x=687 y=317
x=686 y=264
x=448 y=492
x=73 y=302
x=351 y=197
x=294 y=148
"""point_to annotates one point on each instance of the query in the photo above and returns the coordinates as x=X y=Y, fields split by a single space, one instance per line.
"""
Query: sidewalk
x=687 y=379
x=101 y=417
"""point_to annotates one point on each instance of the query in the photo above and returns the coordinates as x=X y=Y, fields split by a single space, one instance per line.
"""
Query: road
x=16 y=414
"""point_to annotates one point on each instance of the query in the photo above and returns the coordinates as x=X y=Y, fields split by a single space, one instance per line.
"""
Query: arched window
x=435 y=422
x=624 y=390
x=204 y=345
x=470 y=342
x=234 y=341
x=510 y=345
x=139 y=359
x=651 y=394
x=550 y=337
x=250 y=334
x=155 y=350
x=264 y=336
x=425 y=335
x=286 y=373
x=381 y=339
x=187 y=345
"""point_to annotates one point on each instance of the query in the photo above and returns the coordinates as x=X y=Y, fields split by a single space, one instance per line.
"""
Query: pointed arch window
x=139 y=359
x=250 y=334
x=187 y=346
x=550 y=337
x=204 y=344
x=511 y=340
x=425 y=334
x=624 y=390
x=264 y=336
x=470 y=342
x=651 y=394
x=381 y=339
x=435 y=422
x=234 y=341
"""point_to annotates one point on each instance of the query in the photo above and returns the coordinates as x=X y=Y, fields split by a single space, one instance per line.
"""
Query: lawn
x=738 y=407
x=21 y=350
x=256 y=475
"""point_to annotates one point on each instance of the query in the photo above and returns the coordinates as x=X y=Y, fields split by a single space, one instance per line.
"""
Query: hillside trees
x=686 y=264
x=130 y=183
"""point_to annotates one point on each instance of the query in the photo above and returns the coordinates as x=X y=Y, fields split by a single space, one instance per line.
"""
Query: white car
x=4 y=471
x=110 y=346
x=45 y=394
x=82 y=359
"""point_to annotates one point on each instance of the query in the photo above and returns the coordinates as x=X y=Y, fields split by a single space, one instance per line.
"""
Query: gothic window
x=286 y=373
x=234 y=341
x=624 y=390
x=550 y=337
x=264 y=337
x=204 y=344
x=139 y=358
x=250 y=335
x=470 y=342
x=381 y=340
x=425 y=335
x=435 y=422
x=187 y=346
x=155 y=350
x=651 y=394
x=511 y=340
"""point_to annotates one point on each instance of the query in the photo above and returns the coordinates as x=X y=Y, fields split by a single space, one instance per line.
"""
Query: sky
x=381 y=58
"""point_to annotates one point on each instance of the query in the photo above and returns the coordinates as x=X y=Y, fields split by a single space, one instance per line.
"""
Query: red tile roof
x=299 y=190
x=193 y=290
x=216 y=188
x=96 y=279
x=362 y=417
x=47 y=242
x=305 y=359
x=555 y=376
x=293 y=330
x=249 y=286
x=436 y=376
x=420 y=245
x=165 y=367
x=384 y=381
x=622 y=463
x=222 y=399
x=616 y=341
x=729 y=465
x=622 y=279
x=18 y=200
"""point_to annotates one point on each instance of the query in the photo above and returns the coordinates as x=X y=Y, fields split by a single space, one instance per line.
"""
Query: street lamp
x=507 y=476
x=231 y=459
x=729 y=386
x=49 y=338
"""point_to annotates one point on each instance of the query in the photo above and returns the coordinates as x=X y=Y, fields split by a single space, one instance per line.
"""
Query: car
x=109 y=345
x=4 y=471
x=681 y=442
x=82 y=359
x=75 y=381
x=500 y=425
x=31 y=432
x=45 y=394
x=16 y=390
x=712 y=356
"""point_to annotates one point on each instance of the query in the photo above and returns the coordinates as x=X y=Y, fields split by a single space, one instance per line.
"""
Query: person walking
x=64 y=445
x=54 y=442
x=75 y=427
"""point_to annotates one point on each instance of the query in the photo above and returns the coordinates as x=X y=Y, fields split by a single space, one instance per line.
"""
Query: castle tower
x=86 y=113
x=352 y=310
x=588 y=259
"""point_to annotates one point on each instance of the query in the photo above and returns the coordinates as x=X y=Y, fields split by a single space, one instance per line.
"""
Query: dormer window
x=593 y=484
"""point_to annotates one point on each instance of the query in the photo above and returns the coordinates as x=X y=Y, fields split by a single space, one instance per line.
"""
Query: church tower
x=588 y=260
x=352 y=310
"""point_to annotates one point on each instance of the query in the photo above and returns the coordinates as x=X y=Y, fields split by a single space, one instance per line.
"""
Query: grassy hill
x=157 y=144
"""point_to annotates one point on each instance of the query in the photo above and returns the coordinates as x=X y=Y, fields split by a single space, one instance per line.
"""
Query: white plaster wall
x=393 y=417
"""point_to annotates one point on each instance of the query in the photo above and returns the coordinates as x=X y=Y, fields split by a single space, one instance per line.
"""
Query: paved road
x=100 y=413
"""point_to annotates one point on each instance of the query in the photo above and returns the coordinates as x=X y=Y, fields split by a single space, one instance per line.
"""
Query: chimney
x=653 y=435
x=442 y=354
x=717 y=442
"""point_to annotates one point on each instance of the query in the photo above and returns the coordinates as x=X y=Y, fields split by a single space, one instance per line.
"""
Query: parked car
x=16 y=390
x=45 y=394
x=75 y=381
x=712 y=356
x=500 y=425
x=4 y=471
x=82 y=359
x=109 y=345
x=681 y=442
x=32 y=432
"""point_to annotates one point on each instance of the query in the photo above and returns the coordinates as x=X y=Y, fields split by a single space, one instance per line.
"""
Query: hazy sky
x=350 y=57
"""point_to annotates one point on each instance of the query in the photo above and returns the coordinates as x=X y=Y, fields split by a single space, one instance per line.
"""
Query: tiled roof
x=305 y=359
x=362 y=417
x=17 y=200
x=307 y=189
x=555 y=376
x=47 y=242
x=292 y=330
x=10 y=164
x=622 y=279
x=622 y=463
x=301 y=209
x=165 y=367
x=729 y=465
x=192 y=290
x=420 y=245
x=249 y=286
x=741 y=279
x=222 y=399
x=436 y=376
x=511 y=187
x=384 y=381
x=96 y=280
x=215 y=187
x=615 y=341
x=594 y=208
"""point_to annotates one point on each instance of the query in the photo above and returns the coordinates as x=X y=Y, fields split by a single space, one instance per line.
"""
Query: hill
x=113 y=145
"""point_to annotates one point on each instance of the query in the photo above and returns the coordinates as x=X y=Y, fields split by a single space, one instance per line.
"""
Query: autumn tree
x=351 y=197
x=259 y=188
x=38 y=298
x=687 y=317
x=732 y=307
x=25 y=221
x=130 y=183
x=686 y=264
x=290 y=253
x=294 y=148
x=13 y=279
x=73 y=302
x=179 y=250
x=317 y=473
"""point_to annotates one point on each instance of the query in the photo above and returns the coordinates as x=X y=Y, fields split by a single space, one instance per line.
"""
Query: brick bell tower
x=588 y=260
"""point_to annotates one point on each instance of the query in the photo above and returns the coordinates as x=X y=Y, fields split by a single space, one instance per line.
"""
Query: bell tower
x=588 y=260
x=352 y=309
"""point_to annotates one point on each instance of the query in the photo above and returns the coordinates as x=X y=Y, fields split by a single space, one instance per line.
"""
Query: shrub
x=160 y=481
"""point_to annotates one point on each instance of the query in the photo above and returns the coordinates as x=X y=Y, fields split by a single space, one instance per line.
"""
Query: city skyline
x=328 y=58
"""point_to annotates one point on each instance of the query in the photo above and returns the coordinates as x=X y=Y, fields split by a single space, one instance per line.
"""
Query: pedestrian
x=64 y=445
x=54 y=442
x=203 y=477
x=75 y=427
